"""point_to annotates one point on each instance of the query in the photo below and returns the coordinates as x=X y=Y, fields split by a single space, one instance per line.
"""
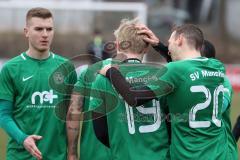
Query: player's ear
x=25 y=30
x=180 y=40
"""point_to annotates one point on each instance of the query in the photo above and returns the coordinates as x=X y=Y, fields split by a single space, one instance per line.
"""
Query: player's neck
x=189 y=54
x=37 y=54
x=133 y=55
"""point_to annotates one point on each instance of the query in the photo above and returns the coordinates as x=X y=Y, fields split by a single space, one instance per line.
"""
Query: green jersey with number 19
x=134 y=133
x=195 y=104
x=25 y=82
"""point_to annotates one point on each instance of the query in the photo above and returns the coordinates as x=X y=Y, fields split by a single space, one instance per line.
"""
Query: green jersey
x=195 y=105
x=25 y=82
x=233 y=152
x=134 y=133
x=90 y=147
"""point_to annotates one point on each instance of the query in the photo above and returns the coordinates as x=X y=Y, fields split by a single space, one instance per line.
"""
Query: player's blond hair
x=128 y=38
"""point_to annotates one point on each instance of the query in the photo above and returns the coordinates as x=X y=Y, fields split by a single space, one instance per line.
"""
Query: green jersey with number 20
x=195 y=104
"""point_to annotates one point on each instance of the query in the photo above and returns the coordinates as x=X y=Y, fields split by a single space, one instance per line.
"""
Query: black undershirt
x=236 y=129
x=163 y=50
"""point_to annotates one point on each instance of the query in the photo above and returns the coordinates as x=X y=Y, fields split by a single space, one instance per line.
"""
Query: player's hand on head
x=151 y=37
x=30 y=146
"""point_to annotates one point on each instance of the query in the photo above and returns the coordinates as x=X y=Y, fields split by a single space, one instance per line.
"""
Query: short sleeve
x=171 y=75
x=227 y=96
x=103 y=98
x=96 y=97
x=6 y=85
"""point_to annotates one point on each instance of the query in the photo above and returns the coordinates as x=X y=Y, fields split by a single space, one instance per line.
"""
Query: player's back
x=134 y=133
x=195 y=106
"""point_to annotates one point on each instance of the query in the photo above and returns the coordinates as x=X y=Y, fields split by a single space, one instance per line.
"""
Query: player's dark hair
x=192 y=33
x=38 y=12
x=208 y=49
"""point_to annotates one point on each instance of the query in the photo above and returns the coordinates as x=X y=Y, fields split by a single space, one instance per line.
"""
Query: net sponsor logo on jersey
x=43 y=98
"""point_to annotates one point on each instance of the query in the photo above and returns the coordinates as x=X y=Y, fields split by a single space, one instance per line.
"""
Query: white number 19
x=154 y=111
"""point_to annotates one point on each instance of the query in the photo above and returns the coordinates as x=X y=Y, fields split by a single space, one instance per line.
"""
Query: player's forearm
x=8 y=124
x=100 y=128
x=73 y=127
x=236 y=129
x=163 y=50
x=73 y=135
x=73 y=123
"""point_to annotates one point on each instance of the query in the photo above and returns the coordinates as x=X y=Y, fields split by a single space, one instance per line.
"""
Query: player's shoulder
x=215 y=62
x=62 y=62
x=100 y=82
x=227 y=84
x=100 y=79
x=13 y=62
x=200 y=61
x=177 y=66
x=59 y=58
x=82 y=70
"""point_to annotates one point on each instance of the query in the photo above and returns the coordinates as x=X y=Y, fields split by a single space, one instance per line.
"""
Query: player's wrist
x=23 y=138
x=159 y=46
x=73 y=156
x=156 y=43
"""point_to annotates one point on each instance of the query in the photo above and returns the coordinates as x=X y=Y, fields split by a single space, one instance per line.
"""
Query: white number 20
x=200 y=106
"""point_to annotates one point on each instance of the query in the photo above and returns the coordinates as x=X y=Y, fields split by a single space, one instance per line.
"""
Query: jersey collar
x=132 y=60
x=25 y=57
x=196 y=59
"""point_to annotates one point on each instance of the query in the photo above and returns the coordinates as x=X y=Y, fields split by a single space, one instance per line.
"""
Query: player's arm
x=236 y=129
x=131 y=96
x=163 y=50
x=140 y=95
x=100 y=128
x=7 y=92
x=74 y=116
x=98 y=107
x=8 y=124
x=73 y=125
x=228 y=91
x=11 y=128
x=155 y=42
x=227 y=95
